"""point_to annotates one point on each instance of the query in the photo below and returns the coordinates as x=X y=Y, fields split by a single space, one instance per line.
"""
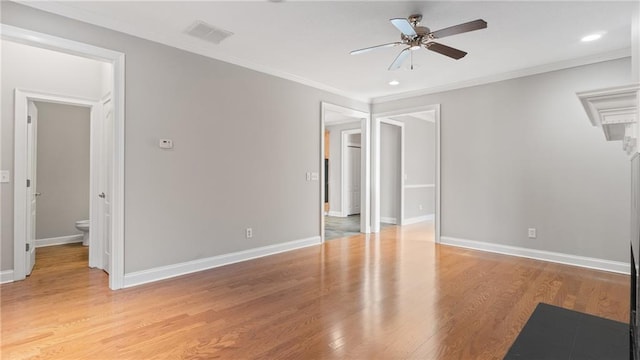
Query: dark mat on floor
x=555 y=333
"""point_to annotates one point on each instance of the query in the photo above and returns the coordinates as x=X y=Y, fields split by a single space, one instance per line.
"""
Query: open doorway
x=392 y=142
x=344 y=183
x=61 y=180
x=406 y=180
x=105 y=105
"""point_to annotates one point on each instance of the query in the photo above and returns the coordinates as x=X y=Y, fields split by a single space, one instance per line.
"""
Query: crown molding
x=69 y=11
x=615 y=111
x=611 y=55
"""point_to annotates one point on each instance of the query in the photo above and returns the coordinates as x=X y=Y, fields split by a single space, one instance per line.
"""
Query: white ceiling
x=309 y=41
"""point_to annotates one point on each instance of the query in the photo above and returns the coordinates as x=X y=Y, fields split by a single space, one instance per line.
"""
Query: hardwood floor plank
x=393 y=295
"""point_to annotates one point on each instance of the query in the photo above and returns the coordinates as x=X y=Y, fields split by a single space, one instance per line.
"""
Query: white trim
x=388 y=220
x=568 y=259
x=342 y=122
x=593 y=59
x=336 y=214
x=419 y=186
x=376 y=189
x=6 y=276
x=169 y=271
x=419 y=219
x=60 y=240
x=20 y=190
x=344 y=137
x=365 y=201
x=158 y=37
x=117 y=59
x=376 y=153
x=365 y=176
x=69 y=11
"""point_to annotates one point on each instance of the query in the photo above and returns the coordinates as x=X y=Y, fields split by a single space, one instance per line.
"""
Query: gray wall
x=335 y=164
x=47 y=71
x=62 y=170
x=243 y=141
x=521 y=153
x=389 y=170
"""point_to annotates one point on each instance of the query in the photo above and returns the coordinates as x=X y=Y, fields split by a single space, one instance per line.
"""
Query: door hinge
x=28 y=119
x=28 y=183
x=27 y=247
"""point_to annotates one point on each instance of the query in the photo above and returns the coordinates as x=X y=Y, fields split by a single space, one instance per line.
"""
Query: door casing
x=377 y=119
x=365 y=162
x=343 y=168
x=21 y=165
x=117 y=60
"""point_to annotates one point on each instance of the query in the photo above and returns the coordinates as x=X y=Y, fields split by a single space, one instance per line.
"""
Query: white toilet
x=83 y=225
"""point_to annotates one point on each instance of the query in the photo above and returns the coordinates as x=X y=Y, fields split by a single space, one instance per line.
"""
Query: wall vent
x=206 y=32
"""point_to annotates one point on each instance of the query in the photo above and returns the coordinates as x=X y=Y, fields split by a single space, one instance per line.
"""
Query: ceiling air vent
x=206 y=32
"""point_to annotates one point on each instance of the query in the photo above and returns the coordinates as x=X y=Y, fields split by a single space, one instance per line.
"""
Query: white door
x=32 y=194
x=105 y=195
x=353 y=180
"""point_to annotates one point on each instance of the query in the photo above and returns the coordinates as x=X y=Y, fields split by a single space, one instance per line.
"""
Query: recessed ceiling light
x=394 y=82
x=592 y=37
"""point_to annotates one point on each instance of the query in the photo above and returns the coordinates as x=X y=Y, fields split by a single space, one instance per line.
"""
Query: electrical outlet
x=420 y=207
x=308 y=176
x=249 y=233
x=532 y=233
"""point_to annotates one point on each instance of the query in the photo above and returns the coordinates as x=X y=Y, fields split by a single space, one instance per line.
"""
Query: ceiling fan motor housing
x=415 y=19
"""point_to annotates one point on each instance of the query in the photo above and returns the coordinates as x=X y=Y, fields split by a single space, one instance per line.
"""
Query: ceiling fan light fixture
x=415 y=47
x=592 y=37
x=394 y=82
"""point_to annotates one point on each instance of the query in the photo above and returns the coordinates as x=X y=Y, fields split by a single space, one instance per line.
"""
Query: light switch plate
x=4 y=176
x=315 y=176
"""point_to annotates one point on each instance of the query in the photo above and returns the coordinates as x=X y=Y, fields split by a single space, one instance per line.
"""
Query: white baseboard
x=575 y=260
x=417 y=219
x=6 y=276
x=169 y=271
x=388 y=220
x=60 y=240
x=336 y=214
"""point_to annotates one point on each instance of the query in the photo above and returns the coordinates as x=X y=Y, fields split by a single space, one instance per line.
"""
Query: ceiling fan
x=416 y=37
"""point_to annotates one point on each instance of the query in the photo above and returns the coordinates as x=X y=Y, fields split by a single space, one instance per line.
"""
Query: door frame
x=376 y=203
x=380 y=117
x=365 y=161
x=117 y=60
x=22 y=98
x=344 y=137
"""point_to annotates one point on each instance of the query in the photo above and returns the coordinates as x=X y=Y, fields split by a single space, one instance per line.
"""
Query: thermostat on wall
x=166 y=144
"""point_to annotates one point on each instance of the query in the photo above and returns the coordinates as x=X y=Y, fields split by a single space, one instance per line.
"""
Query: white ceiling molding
x=73 y=12
x=615 y=110
x=612 y=55
x=317 y=55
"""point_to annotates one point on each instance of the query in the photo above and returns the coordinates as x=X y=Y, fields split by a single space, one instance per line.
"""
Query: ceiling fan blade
x=360 y=51
x=395 y=65
x=460 y=28
x=404 y=26
x=445 y=50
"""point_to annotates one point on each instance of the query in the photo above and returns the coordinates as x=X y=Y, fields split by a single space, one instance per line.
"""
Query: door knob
x=101 y=195
x=37 y=194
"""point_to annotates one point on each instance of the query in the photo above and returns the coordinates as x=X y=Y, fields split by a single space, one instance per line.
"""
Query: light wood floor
x=394 y=296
